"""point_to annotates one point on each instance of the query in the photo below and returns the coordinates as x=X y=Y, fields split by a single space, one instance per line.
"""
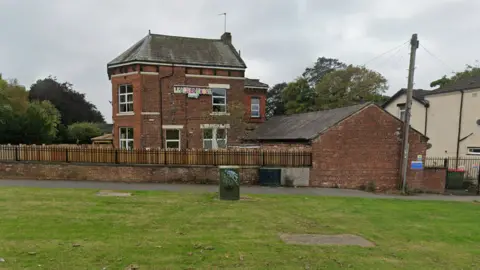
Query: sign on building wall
x=192 y=90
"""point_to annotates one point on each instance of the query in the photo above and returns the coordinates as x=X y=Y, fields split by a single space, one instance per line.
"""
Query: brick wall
x=429 y=179
x=116 y=173
x=152 y=109
x=364 y=147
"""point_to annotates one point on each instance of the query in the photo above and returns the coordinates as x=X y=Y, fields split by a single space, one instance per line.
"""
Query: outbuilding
x=352 y=147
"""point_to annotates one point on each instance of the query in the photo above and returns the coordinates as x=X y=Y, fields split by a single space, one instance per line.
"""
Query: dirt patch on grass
x=318 y=239
x=109 y=193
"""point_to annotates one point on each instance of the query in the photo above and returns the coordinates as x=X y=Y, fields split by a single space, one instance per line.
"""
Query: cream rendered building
x=449 y=116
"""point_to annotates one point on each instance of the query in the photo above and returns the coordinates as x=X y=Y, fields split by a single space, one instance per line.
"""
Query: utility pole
x=406 y=127
x=224 y=21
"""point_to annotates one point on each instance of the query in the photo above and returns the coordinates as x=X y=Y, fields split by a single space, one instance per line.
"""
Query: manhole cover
x=109 y=193
x=318 y=239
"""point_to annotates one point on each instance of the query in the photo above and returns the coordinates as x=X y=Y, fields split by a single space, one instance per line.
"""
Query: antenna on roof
x=224 y=21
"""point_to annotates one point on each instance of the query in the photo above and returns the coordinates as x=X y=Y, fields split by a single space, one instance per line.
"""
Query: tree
x=349 y=86
x=298 y=97
x=469 y=71
x=275 y=104
x=40 y=123
x=72 y=105
x=82 y=133
x=322 y=67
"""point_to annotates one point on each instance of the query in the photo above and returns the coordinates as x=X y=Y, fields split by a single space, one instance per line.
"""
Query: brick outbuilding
x=351 y=146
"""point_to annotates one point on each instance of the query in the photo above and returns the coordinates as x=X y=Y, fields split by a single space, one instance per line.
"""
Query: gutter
x=460 y=114
x=160 y=80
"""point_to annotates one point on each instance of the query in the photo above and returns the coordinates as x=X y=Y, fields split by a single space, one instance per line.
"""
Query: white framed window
x=255 y=107
x=126 y=138
x=125 y=98
x=172 y=138
x=214 y=138
x=401 y=112
x=219 y=100
x=473 y=151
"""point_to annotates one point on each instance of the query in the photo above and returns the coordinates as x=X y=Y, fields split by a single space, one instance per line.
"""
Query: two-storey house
x=179 y=92
x=449 y=116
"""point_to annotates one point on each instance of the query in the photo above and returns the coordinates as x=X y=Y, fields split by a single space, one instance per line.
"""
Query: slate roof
x=255 y=83
x=417 y=94
x=304 y=126
x=181 y=50
x=463 y=84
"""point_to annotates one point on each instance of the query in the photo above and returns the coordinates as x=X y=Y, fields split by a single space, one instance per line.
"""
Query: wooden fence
x=240 y=157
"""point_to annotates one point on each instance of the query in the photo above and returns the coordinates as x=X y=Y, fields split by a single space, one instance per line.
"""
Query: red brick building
x=182 y=92
x=350 y=146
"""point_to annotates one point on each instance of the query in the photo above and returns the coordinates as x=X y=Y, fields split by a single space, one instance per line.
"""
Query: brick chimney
x=226 y=38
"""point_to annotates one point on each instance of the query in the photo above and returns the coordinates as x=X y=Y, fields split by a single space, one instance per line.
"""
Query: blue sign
x=417 y=165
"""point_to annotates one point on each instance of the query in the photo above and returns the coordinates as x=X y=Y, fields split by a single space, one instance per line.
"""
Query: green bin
x=455 y=179
x=229 y=183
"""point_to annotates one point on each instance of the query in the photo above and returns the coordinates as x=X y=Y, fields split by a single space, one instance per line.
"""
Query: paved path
x=212 y=188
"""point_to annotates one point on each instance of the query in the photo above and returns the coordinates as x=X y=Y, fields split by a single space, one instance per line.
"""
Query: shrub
x=289 y=182
x=371 y=186
x=83 y=132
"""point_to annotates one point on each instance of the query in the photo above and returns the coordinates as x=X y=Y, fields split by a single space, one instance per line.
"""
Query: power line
x=394 y=55
x=378 y=56
x=437 y=58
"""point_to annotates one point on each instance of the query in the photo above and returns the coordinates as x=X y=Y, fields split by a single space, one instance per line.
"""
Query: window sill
x=125 y=113
x=219 y=113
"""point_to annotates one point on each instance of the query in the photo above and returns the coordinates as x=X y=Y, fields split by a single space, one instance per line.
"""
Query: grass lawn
x=162 y=230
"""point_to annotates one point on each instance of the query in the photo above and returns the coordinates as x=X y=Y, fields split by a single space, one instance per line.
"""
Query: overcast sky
x=74 y=40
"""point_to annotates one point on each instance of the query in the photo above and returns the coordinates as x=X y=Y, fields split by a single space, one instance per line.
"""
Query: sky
x=278 y=39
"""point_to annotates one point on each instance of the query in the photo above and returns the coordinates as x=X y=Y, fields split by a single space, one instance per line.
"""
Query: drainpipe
x=426 y=118
x=160 y=80
x=460 y=114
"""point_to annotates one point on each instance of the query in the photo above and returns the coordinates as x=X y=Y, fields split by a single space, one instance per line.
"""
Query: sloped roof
x=304 y=126
x=181 y=50
x=104 y=137
x=256 y=83
x=417 y=94
x=462 y=84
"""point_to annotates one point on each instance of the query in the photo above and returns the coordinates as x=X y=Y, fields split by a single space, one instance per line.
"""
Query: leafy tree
x=40 y=123
x=349 y=86
x=322 y=67
x=275 y=105
x=72 y=105
x=469 y=71
x=298 y=97
x=82 y=133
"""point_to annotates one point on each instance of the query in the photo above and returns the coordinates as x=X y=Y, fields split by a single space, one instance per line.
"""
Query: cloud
x=74 y=40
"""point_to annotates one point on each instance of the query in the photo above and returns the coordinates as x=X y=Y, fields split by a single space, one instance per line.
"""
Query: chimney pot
x=226 y=38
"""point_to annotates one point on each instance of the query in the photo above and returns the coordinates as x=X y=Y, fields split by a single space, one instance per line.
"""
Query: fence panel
x=470 y=165
x=240 y=157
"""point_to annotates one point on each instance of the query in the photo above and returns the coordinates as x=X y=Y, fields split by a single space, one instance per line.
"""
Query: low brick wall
x=120 y=173
x=429 y=180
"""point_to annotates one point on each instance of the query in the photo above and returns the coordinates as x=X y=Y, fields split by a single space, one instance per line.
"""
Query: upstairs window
x=401 y=112
x=473 y=150
x=255 y=107
x=219 y=100
x=125 y=98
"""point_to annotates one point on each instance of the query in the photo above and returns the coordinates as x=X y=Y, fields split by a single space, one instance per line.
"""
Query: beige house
x=449 y=116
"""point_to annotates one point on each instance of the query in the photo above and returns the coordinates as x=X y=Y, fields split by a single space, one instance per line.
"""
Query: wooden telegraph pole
x=406 y=127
